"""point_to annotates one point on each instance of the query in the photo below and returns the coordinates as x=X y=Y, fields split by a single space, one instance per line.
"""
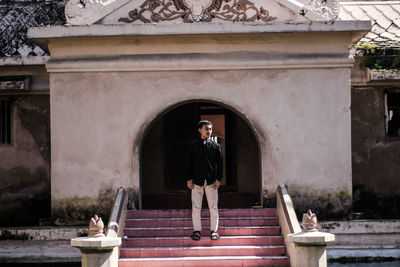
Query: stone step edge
x=203 y=218
x=191 y=227
x=222 y=237
x=207 y=258
x=203 y=247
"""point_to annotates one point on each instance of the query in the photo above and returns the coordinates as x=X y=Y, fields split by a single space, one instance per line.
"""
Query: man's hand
x=216 y=184
x=190 y=184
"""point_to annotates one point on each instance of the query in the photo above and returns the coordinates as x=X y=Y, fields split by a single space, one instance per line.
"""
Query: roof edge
x=38 y=33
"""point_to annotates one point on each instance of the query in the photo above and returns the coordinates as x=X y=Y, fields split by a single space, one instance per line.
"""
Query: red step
x=134 y=214
x=187 y=222
x=205 y=241
x=249 y=237
x=147 y=252
x=220 y=261
x=187 y=231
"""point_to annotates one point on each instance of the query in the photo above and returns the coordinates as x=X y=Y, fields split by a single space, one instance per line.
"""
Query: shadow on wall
x=25 y=178
x=24 y=197
x=373 y=206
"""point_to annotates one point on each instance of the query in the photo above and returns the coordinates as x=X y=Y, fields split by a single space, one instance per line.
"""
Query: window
x=5 y=122
x=392 y=113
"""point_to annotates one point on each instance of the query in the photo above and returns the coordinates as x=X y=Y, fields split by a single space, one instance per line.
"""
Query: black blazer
x=204 y=162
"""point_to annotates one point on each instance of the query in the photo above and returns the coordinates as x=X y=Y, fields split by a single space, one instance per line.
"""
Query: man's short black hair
x=204 y=122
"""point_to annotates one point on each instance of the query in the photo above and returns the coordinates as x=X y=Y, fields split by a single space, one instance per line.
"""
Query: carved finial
x=321 y=10
x=309 y=222
x=96 y=227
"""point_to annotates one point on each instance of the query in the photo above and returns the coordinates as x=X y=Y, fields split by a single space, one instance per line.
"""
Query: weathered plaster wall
x=375 y=157
x=25 y=165
x=289 y=81
x=302 y=119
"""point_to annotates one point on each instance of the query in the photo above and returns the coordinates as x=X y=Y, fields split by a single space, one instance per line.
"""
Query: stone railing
x=116 y=222
x=304 y=248
x=99 y=249
x=287 y=219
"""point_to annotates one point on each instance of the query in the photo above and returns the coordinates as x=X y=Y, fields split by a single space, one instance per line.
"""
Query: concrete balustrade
x=310 y=248
x=97 y=251
x=104 y=251
x=304 y=248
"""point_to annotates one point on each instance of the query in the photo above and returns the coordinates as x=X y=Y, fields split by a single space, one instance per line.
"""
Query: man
x=204 y=172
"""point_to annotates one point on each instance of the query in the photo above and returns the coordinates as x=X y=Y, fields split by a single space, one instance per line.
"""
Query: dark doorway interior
x=164 y=156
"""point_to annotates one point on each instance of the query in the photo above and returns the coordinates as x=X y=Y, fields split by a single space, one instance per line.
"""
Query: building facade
x=127 y=81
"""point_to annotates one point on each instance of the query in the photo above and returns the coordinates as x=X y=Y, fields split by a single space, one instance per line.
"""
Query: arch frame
x=156 y=116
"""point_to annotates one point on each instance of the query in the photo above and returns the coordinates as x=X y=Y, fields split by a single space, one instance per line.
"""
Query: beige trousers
x=197 y=200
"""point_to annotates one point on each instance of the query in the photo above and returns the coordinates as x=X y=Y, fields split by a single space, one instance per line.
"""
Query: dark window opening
x=5 y=122
x=392 y=100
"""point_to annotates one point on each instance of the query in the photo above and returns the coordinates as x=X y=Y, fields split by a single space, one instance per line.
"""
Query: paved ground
x=38 y=251
x=372 y=264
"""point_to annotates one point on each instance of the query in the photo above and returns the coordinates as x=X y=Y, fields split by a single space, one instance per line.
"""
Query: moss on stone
x=326 y=204
x=78 y=211
x=362 y=259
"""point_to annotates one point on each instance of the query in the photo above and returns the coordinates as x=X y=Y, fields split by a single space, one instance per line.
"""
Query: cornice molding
x=194 y=62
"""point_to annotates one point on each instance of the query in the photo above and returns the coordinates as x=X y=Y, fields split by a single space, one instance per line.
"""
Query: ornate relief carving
x=86 y=12
x=321 y=9
x=197 y=10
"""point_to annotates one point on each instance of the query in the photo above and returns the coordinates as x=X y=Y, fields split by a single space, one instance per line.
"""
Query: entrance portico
x=164 y=156
x=289 y=80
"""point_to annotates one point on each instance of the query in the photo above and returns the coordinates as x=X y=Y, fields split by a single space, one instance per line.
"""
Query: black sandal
x=214 y=235
x=196 y=236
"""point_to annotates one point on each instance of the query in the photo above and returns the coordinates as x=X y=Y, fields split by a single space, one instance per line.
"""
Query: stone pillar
x=97 y=251
x=311 y=248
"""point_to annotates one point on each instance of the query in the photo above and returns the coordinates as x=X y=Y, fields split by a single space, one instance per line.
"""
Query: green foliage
x=78 y=211
x=381 y=63
x=378 y=58
x=327 y=205
x=366 y=47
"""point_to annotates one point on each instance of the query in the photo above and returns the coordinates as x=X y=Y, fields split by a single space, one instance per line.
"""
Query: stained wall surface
x=301 y=117
x=25 y=163
x=375 y=155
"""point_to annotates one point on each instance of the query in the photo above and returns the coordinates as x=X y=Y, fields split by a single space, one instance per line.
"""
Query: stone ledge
x=99 y=243
x=361 y=227
x=24 y=61
x=47 y=232
x=383 y=75
x=197 y=28
x=311 y=238
x=38 y=252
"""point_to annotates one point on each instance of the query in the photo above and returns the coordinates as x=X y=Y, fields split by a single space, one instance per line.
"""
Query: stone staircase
x=249 y=237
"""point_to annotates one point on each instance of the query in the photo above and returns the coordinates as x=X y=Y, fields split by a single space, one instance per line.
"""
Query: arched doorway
x=163 y=157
